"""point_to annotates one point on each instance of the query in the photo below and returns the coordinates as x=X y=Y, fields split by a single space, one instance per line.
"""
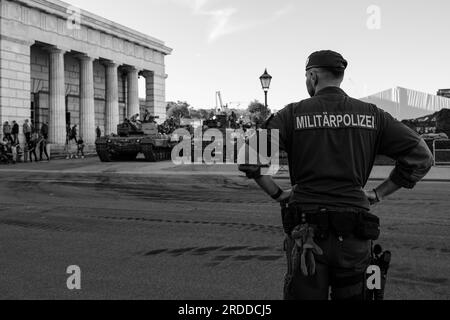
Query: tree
x=178 y=109
x=204 y=114
x=258 y=112
x=195 y=114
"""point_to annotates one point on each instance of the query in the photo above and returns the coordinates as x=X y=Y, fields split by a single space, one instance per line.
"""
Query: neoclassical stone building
x=61 y=65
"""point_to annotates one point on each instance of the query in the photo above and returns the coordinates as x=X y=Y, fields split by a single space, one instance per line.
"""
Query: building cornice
x=61 y=9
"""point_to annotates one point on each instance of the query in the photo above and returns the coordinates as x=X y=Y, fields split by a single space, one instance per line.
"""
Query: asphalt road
x=186 y=237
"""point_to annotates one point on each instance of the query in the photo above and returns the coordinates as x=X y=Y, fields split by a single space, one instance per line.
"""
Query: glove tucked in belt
x=304 y=250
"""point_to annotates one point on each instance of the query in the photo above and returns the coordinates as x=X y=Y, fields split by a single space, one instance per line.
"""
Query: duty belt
x=343 y=222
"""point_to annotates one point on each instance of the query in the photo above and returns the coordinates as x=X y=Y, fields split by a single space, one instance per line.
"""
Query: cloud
x=199 y=4
x=221 y=25
x=221 y=18
x=283 y=11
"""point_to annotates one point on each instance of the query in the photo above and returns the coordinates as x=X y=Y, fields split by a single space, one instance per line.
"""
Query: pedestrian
x=147 y=116
x=73 y=134
x=68 y=133
x=27 y=129
x=44 y=130
x=98 y=132
x=80 y=148
x=332 y=141
x=8 y=152
x=69 y=145
x=32 y=146
x=15 y=132
x=7 y=131
x=42 y=146
x=15 y=148
x=19 y=153
x=4 y=150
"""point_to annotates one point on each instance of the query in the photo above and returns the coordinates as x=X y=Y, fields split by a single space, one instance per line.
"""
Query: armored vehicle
x=132 y=139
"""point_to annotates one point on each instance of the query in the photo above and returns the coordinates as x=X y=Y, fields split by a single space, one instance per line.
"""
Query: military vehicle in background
x=435 y=130
x=433 y=127
x=219 y=121
x=135 y=138
x=437 y=123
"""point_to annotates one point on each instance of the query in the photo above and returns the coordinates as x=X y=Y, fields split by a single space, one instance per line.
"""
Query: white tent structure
x=405 y=104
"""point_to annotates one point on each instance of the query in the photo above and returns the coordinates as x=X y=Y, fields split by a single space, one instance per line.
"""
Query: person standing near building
x=32 y=146
x=332 y=141
x=71 y=141
x=15 y=132
x=7 y=131
x=44 y=130
x=42 y=146
x=73 y=134
x=80 y=148
x=27 y=129
x=147 y=116
x=98 y=132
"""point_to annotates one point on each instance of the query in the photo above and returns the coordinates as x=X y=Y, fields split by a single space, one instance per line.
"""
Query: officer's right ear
x=314 y=76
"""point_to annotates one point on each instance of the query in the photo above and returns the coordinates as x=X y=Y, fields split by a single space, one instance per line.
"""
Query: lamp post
x=265 y=82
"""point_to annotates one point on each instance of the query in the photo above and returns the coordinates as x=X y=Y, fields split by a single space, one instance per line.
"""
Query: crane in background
x=220 y=106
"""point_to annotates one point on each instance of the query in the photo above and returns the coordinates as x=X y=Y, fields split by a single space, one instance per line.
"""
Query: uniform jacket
x=332 y=141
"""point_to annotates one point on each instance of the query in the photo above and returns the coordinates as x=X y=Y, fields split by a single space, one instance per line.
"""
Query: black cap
x=326 y=59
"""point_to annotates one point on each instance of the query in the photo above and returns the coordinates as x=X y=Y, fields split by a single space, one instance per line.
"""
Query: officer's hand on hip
x=372 y=196
x=285 y=196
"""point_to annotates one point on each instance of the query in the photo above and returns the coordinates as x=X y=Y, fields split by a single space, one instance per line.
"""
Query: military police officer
x=332 y=141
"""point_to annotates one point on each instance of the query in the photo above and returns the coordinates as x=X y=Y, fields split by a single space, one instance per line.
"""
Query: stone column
x=57 y=108
x=87 y=102
x=112 y=98
x=149 y=91
x=155 y=94
x=133 y=92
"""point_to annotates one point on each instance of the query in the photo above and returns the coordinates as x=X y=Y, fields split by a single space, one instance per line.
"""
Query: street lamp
x=265 y=82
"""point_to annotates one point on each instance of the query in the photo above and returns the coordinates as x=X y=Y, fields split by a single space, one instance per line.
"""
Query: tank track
x=153 y=154
x=149 y=153
x=103 y=153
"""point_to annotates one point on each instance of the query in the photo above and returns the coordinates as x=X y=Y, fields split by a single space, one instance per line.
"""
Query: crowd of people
x=34 y=148
x=11 y=150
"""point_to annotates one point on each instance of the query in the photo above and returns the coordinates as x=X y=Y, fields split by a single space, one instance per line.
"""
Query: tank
x=133 y=139
x=221 y=123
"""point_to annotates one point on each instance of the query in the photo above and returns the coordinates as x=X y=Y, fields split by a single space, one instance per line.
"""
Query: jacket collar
x=331 y=90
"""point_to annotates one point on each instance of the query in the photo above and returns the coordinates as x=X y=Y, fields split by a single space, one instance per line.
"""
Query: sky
x=225 y=45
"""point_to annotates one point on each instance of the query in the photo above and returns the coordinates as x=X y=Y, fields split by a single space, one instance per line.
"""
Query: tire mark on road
x=35 y=225
x=241 y=226
x=216 y=254
x=414 y=279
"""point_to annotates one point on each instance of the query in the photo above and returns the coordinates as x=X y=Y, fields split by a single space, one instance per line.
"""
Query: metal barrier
x=441 y=150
